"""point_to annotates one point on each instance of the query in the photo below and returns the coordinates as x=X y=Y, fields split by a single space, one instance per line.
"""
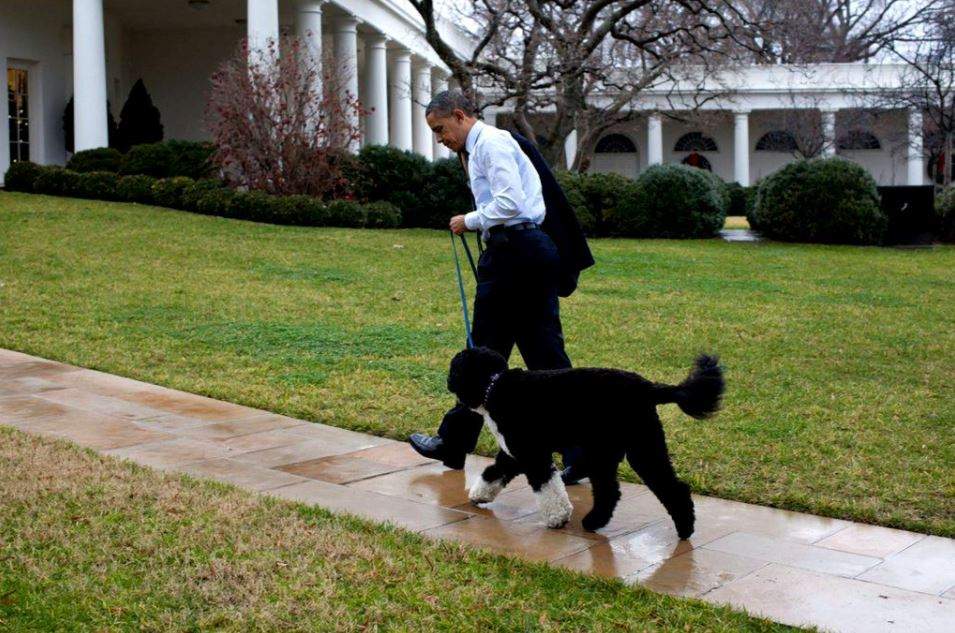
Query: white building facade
x=95 y=50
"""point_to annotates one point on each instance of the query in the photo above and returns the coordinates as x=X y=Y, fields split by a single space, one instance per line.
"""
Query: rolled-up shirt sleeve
x=504 y=179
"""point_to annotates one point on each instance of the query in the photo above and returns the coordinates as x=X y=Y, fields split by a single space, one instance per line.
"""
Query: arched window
x=698 y=160
x=858 y=139
x=776 y=141
x=615 y=144
x=695 y=142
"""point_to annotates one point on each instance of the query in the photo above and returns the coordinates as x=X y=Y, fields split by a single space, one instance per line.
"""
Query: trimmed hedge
x=151 y=159
x=96 y=185
x=21 y=176
x=672 y=201
x=828 y=200
x=167 y=192
x=207 y=196
x=190 y=159
x=56 y=181
x=99 y=159
x=135 y=189
x=945 y=214
x=571 y=184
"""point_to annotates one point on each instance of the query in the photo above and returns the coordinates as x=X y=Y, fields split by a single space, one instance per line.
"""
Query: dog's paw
x=593 y=522
x=555 y=505
x=483 y=491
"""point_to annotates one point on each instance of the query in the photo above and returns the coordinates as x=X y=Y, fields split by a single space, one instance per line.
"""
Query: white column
x=439 y=83
x=828 y=132
x=346 y=54
x=741 y=148
x=654 y=139
x=422 y=96
x=376 y=68
x=89 y=76
x=400 y=106
x=915 y=160
x=262 y=24
x=308 y=27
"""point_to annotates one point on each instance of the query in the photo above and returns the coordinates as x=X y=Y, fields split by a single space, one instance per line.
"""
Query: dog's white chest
x=492 y=427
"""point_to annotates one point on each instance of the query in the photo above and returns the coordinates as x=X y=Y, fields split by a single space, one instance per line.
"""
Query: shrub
x=152 y=159
x=167 y=192
x=189 y=198
x=346 y=213
x=139 y=120
x=298 y=209
x=382 y=215
x=250 y=205
x=135 y=189
x=673 y=201
x=829 y=200
x=399 y=177
x=21 y=176
x=603 y=194
x=446 y=194
x=56 y=181
x=571 y=185
x=96 y=185
x=99 y=159
x=215 y=201
x=945 y=212
x=190 y=158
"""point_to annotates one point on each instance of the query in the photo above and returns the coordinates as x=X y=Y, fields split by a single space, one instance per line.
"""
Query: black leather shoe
x=572 y=475
x=435 y=448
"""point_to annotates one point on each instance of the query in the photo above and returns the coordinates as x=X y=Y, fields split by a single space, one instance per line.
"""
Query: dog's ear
x=470 y=373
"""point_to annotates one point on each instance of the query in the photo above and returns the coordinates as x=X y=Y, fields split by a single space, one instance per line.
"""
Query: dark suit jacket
x=560 y=222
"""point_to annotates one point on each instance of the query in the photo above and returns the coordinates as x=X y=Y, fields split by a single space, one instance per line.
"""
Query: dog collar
x=490 y=385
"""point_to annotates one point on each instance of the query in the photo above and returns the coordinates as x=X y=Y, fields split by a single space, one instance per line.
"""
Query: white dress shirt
x=506 y=187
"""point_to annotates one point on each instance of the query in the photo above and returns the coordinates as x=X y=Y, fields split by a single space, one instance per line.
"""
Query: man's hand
x=457 y=225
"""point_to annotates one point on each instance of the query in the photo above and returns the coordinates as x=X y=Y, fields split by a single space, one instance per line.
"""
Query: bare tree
x=812 y=31
x=565 y=65
x=278 y=123
x=928 y=86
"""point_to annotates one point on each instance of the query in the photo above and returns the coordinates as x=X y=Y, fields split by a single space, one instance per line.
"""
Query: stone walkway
x=790 y=567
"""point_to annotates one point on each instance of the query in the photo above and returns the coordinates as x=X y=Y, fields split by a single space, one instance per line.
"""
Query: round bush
x=672 y=201
x=99 y=159
x=346 y=213
x=167 y=192
x=570 y=183
x=135 y=189
x=21 y=175
x=297 y=210
x=190 y=195
x=151 y=159
x=739 y=197
x=382 y=215
x=190 y=158
x=604 y=194
x=96 y=185
x=829 y=200
x=56 y=181
x=945 y=212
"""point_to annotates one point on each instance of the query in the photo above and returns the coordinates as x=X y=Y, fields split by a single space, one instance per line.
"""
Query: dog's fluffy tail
x=700 y=394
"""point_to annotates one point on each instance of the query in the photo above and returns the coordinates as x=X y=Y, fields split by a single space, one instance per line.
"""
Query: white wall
x=31 y=34
x=176 y=66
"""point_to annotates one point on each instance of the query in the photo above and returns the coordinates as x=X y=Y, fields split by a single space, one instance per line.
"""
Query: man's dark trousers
x=515 y=304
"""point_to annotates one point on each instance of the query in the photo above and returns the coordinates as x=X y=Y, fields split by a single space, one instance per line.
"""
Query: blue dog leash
x=464 y=301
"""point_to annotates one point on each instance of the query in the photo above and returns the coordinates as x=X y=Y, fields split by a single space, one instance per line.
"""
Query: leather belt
x=523 y=226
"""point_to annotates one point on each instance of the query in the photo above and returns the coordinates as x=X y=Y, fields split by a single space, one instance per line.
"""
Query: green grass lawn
x=839 y=360
x=93 y=544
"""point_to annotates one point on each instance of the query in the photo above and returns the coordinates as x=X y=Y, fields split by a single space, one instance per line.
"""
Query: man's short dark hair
x=444 y=103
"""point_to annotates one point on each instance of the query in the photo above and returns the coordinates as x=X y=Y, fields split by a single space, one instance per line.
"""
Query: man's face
x=451 y=130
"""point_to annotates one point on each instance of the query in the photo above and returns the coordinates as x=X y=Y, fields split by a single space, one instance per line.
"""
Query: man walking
x=516 y=302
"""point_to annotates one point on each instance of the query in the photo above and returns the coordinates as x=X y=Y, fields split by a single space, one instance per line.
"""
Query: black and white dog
x=609 y=413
